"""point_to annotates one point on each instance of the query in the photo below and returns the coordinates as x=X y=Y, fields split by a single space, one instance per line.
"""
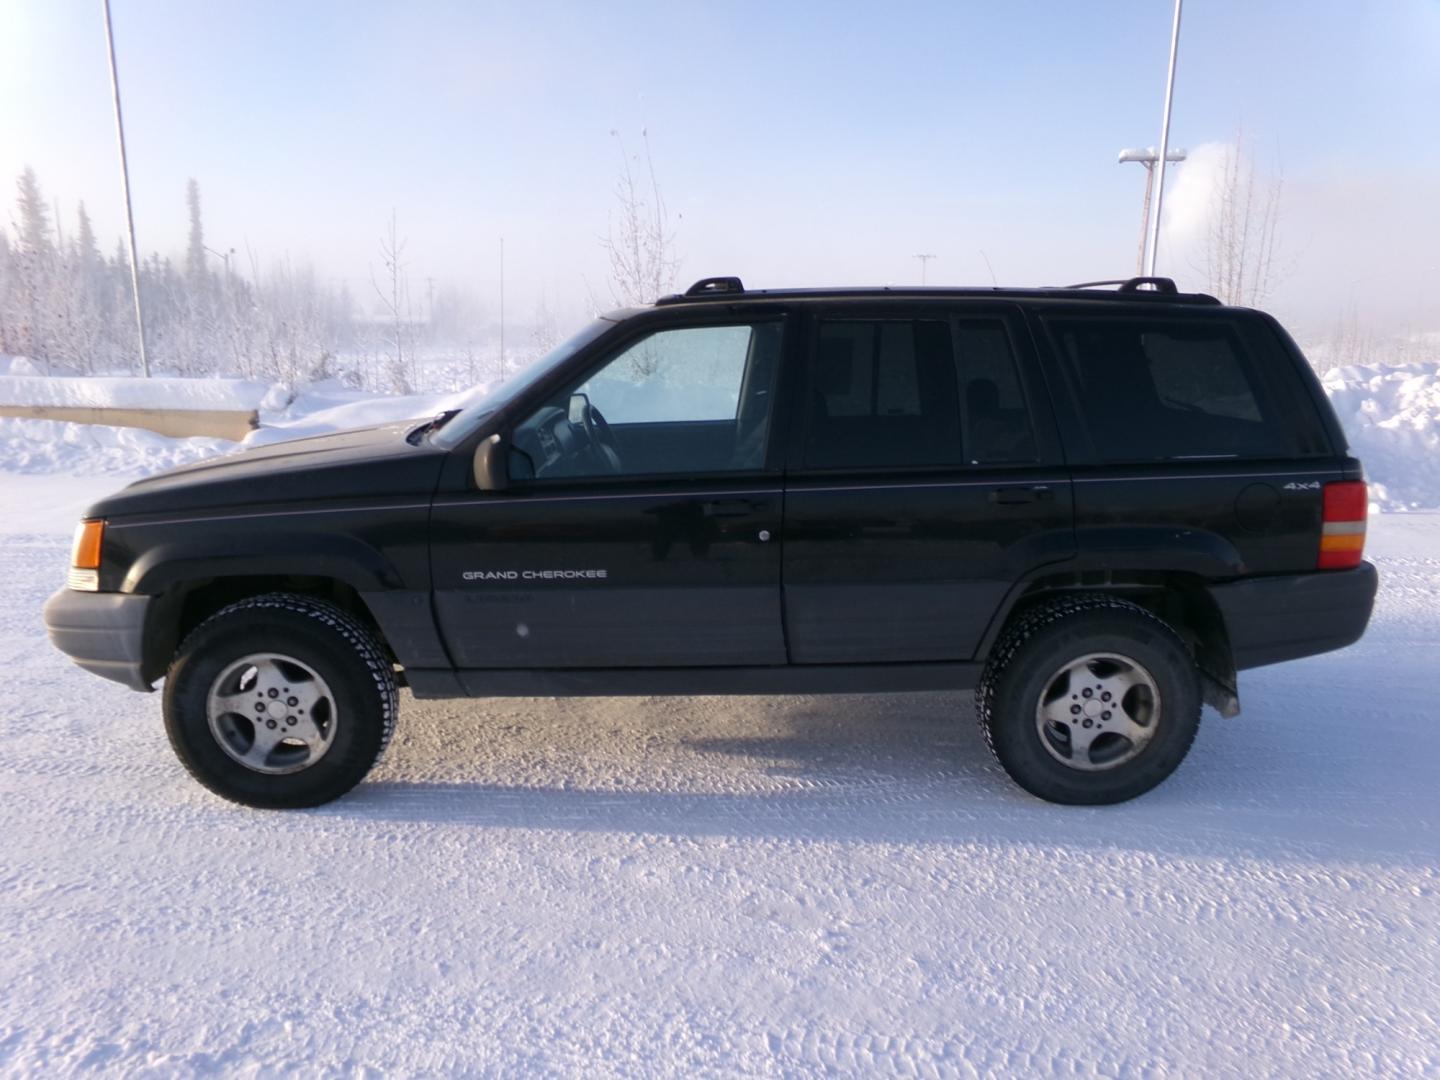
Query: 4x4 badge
x=1295 y=485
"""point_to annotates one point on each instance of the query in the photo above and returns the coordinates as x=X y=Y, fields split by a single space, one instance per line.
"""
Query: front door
x=927 y=480
x=641 y=527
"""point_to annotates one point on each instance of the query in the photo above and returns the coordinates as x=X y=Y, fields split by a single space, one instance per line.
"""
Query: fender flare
x=341 y=557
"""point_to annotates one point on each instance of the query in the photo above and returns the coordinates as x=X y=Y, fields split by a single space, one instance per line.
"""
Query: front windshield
x=484 y=400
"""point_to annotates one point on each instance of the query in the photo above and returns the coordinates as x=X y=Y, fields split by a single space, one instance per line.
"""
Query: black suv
x=1095 y=506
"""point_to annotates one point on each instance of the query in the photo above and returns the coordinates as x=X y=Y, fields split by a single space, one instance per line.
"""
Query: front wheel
x=1089 y=700
x=280 y=701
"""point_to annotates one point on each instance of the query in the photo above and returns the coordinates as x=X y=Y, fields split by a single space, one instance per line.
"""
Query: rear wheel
x=1089 y=700
x=280 y=701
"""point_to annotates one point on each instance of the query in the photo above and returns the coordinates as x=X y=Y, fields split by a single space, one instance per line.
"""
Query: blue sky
x=795 y=142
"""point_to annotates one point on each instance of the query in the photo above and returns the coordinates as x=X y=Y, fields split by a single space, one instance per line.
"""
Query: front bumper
x=102 y=632
x=1270 y=619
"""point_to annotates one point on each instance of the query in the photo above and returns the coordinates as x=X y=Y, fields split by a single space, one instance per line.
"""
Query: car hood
x=365 y=463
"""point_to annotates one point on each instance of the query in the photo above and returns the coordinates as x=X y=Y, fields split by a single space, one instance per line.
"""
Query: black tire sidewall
x=360 y=714
x=1018 y=744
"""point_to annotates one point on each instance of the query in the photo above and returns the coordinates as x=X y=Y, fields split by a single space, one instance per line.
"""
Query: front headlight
x=85 y=556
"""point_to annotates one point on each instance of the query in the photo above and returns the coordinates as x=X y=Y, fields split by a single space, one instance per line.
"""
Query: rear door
x=925 y=478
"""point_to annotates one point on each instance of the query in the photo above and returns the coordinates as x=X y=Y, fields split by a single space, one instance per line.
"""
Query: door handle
x=1014 y=496
x=730 y=508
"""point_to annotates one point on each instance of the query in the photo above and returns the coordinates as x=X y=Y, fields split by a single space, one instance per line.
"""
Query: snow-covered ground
x=752 y=886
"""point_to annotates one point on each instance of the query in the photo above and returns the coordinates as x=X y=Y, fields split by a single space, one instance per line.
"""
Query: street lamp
x=1154 y=248
x=125 y=189
x=223 y=256
x=1147 y=157
x=924 y=263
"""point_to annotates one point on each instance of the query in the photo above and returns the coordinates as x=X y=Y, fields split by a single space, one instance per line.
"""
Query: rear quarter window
x=1158 y=388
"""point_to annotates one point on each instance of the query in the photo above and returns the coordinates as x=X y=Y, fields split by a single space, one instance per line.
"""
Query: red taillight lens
x=1342 y=534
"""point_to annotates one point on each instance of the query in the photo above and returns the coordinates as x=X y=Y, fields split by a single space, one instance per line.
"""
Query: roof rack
x=1157 y=284
x=711 y=285
x=706 y=287
x=1148 y=289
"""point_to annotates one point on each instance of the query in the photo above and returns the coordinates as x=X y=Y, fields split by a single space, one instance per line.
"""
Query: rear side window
x=883 y=394
x=900 y=393
x=1165 y=389
x=997 y=422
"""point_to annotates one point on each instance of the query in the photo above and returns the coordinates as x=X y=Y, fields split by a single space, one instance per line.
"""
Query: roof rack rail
x=1159 y=284
x=706 y=287
x=710 y=285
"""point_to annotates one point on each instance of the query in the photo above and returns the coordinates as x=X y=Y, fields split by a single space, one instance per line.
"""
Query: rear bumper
x=1286 y=617
x=102 y=632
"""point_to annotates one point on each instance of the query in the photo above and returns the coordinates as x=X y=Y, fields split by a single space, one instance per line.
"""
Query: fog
x=788 y=147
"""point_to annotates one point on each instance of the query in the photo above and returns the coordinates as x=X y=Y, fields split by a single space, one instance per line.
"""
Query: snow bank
x=50 y=446
x=102 y=392
x=325 y=407
x=1392 y=418
x=1390 y=413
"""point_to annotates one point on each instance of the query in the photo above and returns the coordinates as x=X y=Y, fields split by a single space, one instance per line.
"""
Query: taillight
x=1342 y=534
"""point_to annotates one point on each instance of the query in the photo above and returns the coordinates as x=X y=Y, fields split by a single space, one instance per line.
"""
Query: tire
x=1049 y=674
x=230 y=681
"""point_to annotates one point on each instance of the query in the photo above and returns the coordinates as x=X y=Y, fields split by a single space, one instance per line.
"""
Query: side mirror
x=490 y=472
x=578 y=404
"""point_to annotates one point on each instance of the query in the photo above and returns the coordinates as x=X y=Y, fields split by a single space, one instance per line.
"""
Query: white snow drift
x=1392 y=418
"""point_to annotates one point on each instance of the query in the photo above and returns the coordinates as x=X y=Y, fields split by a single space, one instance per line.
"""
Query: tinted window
x=997 y=423
x=688 y=400
x=1155 y=390
x=893 y=393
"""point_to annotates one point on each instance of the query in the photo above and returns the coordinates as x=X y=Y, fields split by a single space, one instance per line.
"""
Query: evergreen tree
x=34 y=217
x=195 y=249
x=85 y=243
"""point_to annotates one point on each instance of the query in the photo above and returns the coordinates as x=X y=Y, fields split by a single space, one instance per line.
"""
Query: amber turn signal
x=85 y=553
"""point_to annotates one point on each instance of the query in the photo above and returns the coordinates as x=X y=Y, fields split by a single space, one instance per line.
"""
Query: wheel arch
x=188 y=602
x=1181 y=599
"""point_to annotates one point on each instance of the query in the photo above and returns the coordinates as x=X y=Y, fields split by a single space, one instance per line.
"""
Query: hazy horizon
x=807 y=144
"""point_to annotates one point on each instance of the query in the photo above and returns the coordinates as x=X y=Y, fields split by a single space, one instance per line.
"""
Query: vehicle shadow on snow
x=913 y=769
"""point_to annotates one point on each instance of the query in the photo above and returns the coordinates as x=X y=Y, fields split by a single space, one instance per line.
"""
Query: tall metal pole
x=924 y=264
x=1145 y=218
x=502 y=308
x=125 y=184
x=1164 y=146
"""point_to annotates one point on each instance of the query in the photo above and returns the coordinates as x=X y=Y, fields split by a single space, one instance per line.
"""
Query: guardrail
x=232 y=424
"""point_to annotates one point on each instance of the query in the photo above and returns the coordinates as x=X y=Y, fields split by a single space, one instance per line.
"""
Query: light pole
x=502 y=309
x=125 y=185
x=1147 y=157
x=924 y=264
x=223 y=256
x=1164 y=145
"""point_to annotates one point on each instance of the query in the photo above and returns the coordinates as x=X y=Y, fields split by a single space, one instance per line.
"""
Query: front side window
x=1165 y=390
x=689 y=400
